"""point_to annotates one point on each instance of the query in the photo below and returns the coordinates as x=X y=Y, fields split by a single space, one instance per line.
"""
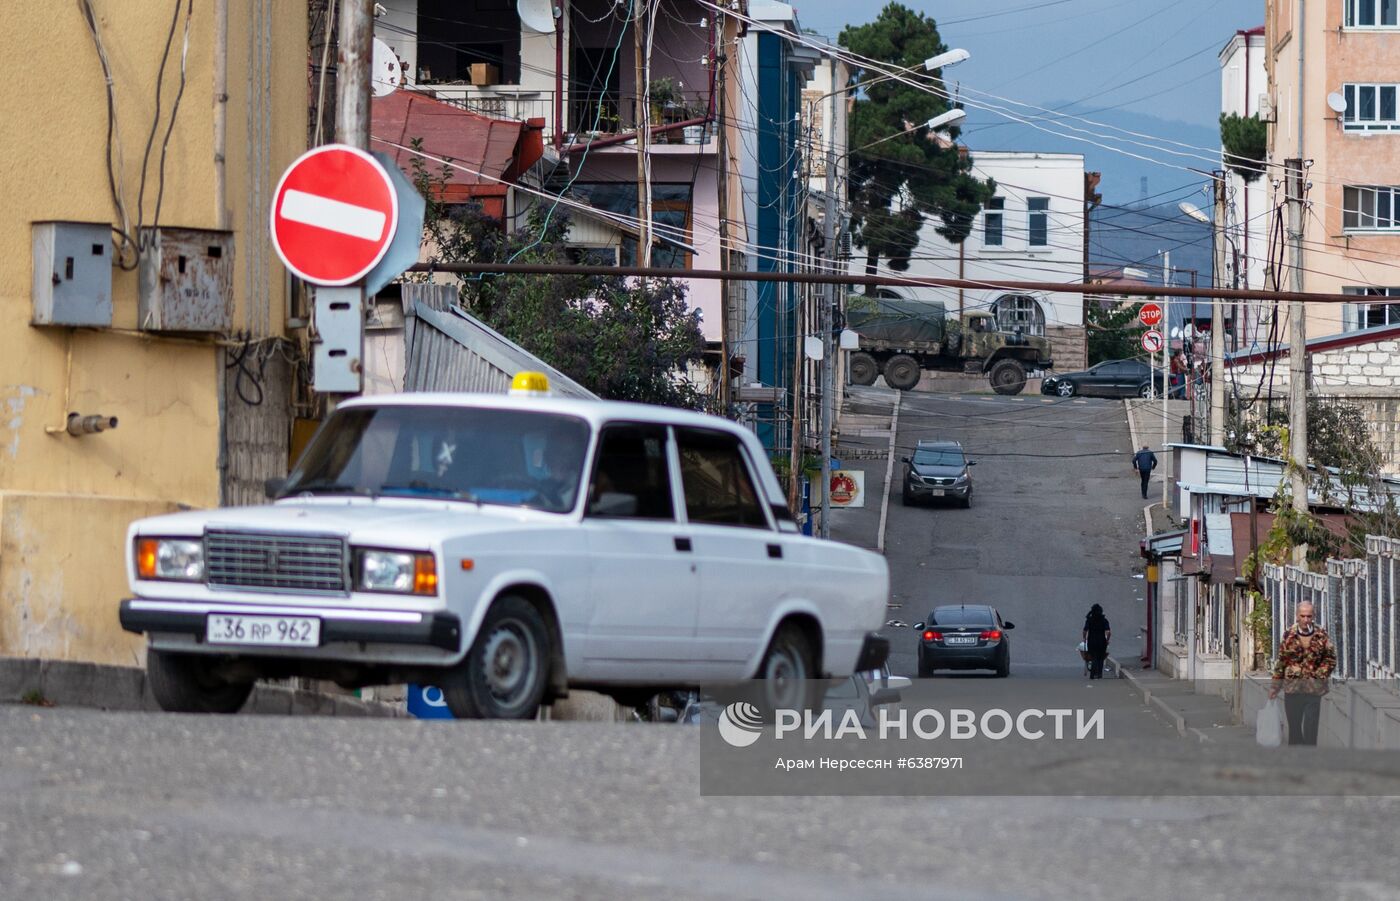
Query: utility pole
x=643 y=115
x=1166 y=368
x=1297 y=350
x=828 y=302
x=1217 y=318
x=722 y=127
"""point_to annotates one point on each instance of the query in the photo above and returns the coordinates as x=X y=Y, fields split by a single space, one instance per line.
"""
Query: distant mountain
x=1122 y=173
x=1135 y=236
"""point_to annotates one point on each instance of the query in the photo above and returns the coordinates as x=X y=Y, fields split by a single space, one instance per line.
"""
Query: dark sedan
x=1111 y=378
x=964 y=636
x=938 y=470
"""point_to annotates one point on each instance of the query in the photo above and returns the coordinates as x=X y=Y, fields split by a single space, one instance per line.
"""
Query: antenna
x=386 y=73
x=1337 y=102
x=536 y=15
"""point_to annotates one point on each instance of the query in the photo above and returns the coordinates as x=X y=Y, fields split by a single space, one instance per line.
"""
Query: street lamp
x=942 y=120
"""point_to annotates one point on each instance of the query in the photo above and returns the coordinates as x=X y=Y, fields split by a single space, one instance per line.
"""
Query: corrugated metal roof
x=1240 y=476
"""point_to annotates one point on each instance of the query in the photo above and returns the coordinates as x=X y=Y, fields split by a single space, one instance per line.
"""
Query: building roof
x=490 y=151
x=1316 y=345
x=1239 y=475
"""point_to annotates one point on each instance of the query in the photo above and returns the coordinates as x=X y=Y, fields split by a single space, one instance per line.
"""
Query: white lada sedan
x=505 y=548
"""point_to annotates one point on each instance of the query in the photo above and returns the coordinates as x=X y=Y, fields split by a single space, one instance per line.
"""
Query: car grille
x=314 y=564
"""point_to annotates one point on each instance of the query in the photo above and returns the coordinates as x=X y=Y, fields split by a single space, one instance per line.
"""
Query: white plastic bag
x=1268 y=725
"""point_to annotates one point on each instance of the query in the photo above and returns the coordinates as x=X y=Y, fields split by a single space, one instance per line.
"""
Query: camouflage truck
x=899 y=338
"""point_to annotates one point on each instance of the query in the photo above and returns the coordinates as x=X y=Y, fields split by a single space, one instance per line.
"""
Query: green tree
x=619 y=340
x=1245 y=139
x=896 y=183
x=1114 y=332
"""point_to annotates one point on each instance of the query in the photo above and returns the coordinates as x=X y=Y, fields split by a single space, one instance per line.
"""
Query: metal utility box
x=72 y=274
x=186 y=280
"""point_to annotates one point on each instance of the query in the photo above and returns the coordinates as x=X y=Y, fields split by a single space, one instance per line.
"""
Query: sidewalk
x=865 y=435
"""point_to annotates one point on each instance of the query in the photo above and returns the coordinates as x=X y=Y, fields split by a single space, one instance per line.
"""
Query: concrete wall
x=67 y=501
x=1363 y=716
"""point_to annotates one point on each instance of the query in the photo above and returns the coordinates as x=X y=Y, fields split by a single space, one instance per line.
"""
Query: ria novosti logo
x=740 y=724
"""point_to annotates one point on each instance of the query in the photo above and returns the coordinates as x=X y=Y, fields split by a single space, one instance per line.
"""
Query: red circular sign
x=1150 y=314
x=333 y=215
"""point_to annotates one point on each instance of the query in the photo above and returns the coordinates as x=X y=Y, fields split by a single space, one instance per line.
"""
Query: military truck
x=899 y=338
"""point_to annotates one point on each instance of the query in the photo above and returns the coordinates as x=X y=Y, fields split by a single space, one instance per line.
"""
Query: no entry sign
x=1150 y=315
x=1152 y=341
x=333 y=215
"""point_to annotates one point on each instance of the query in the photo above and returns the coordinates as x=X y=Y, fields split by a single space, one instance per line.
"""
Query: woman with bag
x=1096 y=636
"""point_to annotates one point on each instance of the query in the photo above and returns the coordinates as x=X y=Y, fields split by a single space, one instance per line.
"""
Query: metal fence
x=1354 y=601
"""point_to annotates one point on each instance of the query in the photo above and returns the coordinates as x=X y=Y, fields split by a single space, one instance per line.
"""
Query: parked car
x=862 y=692
x=1112 y=378
x=505 y=548
x=938 y=470
x=964 y=636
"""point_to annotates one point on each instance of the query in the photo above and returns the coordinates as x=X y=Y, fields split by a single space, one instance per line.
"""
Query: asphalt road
x=1054 y=525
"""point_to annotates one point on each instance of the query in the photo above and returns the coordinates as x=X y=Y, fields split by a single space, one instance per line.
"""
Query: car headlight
x=173 y=559
x=396 y=572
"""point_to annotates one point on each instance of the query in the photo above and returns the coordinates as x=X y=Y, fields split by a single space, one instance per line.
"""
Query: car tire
x=925 y=671
x=902 y=371
x=506 y=672
x=1007 y=377
x=1145 y=390
x=183 y=683
x=1065 y=388
x=1004 y=667
x=788 y=670
x=967 y=501
x=864 y=370
x=908 y=498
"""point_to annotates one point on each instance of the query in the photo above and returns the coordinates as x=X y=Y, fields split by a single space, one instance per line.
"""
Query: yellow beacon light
x=530 y=384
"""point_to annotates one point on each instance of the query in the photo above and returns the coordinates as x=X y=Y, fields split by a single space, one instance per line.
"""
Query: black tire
x=903 y=372
x=925 y=671
x=788 y=670
x=1007 y=377
x=1004 y=667
x=183 y=683
x=1065 y=388
x=504 y=675
x=908 y=498
x=864 y=369
x=967 y=501
x=1145 y=390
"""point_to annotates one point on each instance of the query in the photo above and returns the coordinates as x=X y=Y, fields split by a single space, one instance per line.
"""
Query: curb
x=889 y=475
x=99 y=686
x=1152 y=700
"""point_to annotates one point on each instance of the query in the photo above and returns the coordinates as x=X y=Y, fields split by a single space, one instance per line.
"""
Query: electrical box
x=72 y=274
x=186 y=279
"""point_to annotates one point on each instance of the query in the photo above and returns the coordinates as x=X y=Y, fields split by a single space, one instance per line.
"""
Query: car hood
x=941 y=472
x=359 y=517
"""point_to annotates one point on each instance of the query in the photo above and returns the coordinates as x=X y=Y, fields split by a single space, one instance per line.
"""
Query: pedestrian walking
x=1096 y=636
x=1305 y=662
x=1144 y=461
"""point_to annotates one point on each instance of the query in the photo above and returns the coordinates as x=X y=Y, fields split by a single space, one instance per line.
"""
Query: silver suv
x=938 y=470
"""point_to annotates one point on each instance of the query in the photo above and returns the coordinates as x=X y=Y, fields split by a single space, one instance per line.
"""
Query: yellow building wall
x=65 y=502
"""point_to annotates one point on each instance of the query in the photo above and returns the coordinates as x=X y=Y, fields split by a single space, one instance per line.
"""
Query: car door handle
x=682 y=544
x=775 y=551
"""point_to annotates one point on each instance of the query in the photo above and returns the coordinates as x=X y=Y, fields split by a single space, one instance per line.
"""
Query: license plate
x=936 y=492
x=960 y=639
x=277 y=631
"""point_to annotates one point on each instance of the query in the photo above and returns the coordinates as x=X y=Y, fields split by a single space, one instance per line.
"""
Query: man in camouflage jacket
x=1305 y=662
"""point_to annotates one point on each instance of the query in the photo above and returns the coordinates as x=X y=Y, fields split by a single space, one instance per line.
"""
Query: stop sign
x=333 y=215
x=1150 y=314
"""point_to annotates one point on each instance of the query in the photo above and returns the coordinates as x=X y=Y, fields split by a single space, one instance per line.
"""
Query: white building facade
x=1243 y=84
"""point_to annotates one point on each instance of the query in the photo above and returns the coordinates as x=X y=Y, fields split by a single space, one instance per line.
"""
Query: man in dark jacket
x=1144 y=461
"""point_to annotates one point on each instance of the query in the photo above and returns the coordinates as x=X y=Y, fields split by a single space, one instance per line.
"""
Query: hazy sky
x=1148 y=65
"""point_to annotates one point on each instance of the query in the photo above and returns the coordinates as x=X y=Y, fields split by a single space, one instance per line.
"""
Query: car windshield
x=509 y=457
x=938 y=456
x=960 y=616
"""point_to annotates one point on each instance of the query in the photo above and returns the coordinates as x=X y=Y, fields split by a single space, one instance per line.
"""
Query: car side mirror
x=904 y=459
x=613 y=503
x=1008 y=625
x=884 y=696
x=917 y=627
x=272 y=488
x=971 y=462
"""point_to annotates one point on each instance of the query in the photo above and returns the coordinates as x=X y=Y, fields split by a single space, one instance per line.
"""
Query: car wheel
x=503 y=676
x=908 y=498
x=1065 y=389
x=1146 y=390
x=925 y=670
x=902 y=371
x=864 y=369
x=1007 y=377
x=787 y=670
x=1004 y=667
x=183 y=683
x=967 y=501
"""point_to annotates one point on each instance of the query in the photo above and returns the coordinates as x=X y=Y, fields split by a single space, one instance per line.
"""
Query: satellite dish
x=386 y=73
x=536 y=15
x=1337 y=102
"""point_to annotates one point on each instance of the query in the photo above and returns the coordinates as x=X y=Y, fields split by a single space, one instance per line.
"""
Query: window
x=992 y=222
x=717 y=485
x=1038 y=234
x=1370 y=107
x=938 y=456
x=1371 y=14
x=670 y=216
x=1370 y=207
x=1019 y=313
x=631 y=478
x=1370 y=315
